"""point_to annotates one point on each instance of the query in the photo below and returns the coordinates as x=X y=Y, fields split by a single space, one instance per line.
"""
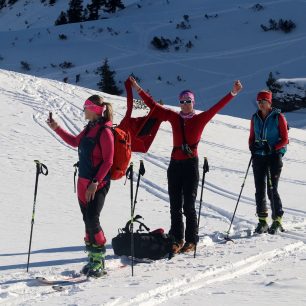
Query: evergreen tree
x=272 y=84
x=94 y=8
x=2 y=4
x=62 y=19
x=112 y=5
x=108 y=83
x=52 y=2
x=11 y=2
x=75 y=11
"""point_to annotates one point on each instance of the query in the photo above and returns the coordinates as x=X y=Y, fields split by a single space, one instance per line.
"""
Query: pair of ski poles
x=129 y=175
x=270 y=186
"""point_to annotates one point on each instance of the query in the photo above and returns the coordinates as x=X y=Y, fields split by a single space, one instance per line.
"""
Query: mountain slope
x=228 y=44
x=235 y=272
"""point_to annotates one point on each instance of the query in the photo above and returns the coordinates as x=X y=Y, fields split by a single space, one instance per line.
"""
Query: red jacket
x=142 y=129
x=193 y=126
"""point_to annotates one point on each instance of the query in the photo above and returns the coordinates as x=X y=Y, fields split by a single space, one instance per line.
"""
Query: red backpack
x=122 y=151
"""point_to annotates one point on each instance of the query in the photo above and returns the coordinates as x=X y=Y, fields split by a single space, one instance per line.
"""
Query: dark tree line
x=4 y=3
x=77 y=13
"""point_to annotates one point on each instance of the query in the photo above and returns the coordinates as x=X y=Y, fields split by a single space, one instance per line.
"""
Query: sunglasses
x=185 y=102
x=262 y=101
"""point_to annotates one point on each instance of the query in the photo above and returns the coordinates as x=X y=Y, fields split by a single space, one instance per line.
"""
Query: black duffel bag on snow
x=152 y=245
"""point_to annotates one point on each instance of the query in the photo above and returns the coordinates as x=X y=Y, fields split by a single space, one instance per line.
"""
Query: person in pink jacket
x=96 y=151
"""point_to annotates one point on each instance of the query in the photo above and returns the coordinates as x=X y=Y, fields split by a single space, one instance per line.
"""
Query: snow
x=228 y=47
x=293 y=87
x=250 y=271
x=253 y=270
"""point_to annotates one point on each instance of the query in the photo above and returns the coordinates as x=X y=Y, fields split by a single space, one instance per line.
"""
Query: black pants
x=260 y=170
x=183 y=179
x=91 y=213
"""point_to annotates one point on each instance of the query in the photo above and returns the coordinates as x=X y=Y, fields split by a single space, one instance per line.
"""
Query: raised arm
x=209 y=114
x=67 y=137
x=129 y=98
x=147 y=99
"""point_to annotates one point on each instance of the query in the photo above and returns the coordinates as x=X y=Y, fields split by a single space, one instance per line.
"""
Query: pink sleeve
x=107 y=148
x=72 y=140
x=283 y=131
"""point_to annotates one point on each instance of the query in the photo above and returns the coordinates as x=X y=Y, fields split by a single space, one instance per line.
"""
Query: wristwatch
x=95 y=181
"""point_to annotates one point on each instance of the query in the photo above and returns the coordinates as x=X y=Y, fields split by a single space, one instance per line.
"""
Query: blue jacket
x=267 y=133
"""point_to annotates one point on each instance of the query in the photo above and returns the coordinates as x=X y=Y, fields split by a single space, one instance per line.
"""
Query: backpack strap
x=126 y=229
x=187 y=149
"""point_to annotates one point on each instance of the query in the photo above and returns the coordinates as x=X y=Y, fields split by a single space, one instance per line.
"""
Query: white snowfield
x=251 y=271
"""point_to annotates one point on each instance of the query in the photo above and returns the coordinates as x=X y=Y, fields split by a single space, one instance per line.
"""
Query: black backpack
x=153 y=245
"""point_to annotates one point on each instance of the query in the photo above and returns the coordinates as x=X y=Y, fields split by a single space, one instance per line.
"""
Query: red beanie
x=265 y=95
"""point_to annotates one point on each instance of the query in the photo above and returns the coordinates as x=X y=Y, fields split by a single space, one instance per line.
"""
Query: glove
x=268 y=149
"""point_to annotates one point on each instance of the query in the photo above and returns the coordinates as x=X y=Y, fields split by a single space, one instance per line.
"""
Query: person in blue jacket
x=268 y=141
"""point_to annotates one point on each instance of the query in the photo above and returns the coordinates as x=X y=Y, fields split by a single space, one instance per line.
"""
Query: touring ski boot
x=96 y=264
x=86 y=268
x=262 y=226
x=188 y=247
x=276 y=226
x=177 y=246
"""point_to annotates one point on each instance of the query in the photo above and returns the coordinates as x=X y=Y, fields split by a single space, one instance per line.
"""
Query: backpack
x=152 y=245
x=122 y=151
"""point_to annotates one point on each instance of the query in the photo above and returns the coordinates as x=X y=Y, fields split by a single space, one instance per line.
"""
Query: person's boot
x=276 y=226
x=176 y=246
x=262 y=226
x=96 y=266
x=188 y=247
x=86 y=268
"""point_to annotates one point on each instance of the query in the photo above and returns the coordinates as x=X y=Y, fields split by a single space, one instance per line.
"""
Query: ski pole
x=129 y=175
x=270 y=184
x=141 y=172
x=205 y=170
x=226 y=238
x=40 y=169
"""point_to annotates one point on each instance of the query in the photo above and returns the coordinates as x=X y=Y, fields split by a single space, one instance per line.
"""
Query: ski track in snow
x=24 y=291
x=185 y=285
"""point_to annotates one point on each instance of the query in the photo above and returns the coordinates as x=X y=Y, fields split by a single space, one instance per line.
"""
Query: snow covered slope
x=251 y=271
x=228 y=43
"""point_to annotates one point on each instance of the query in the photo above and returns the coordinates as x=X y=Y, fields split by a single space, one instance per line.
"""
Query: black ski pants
x=183 y=179
x=260 y=170
x=91 y=213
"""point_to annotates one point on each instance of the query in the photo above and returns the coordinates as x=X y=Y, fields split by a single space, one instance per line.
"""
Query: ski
x=62 y=281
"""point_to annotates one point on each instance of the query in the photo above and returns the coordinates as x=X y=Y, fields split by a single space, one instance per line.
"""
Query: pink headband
x=99 y=110
x=186 y=94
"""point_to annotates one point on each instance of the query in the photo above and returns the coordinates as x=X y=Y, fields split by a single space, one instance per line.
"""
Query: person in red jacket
x=183 y=172
x=96 y=151
x=268 y=143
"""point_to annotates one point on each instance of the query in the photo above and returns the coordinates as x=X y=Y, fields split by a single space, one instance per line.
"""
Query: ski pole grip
x=41 y=168
x=142 y=169
x=205 y=165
